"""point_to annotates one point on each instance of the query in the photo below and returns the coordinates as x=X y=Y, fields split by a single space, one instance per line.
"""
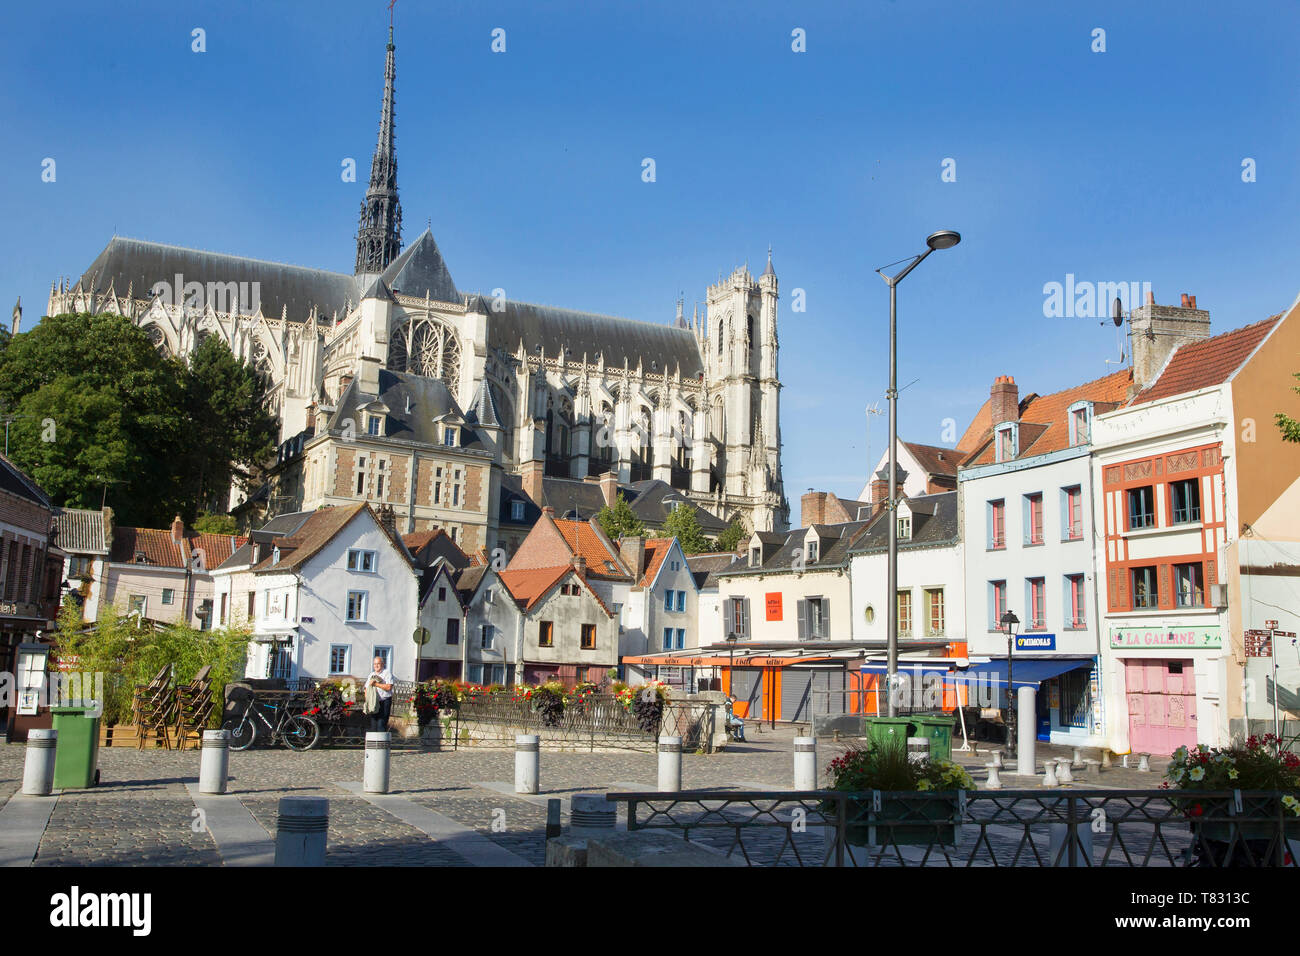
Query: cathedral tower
x=379 y=234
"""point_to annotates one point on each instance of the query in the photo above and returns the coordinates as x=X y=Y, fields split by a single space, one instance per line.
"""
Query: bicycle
x=296 y=731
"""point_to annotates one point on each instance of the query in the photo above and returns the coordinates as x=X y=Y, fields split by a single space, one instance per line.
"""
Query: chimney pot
x=1151 y=297
x=1192 y=300
x=549 y=511
x=1185 y=305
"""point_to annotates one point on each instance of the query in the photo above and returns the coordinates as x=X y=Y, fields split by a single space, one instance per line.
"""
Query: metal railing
x=1115 y=828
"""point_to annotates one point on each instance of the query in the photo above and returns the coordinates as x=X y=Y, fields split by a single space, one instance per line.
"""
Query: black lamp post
x=943 y=239
x=1009 y=622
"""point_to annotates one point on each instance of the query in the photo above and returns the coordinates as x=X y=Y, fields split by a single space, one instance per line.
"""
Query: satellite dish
x=1116 y=313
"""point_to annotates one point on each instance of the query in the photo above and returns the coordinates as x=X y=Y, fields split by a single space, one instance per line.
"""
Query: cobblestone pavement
x=142 y=814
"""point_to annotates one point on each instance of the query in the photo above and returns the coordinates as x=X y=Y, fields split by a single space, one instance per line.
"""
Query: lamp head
x=943 y=239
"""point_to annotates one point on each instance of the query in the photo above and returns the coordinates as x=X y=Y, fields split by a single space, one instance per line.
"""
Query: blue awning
x=1026 y=673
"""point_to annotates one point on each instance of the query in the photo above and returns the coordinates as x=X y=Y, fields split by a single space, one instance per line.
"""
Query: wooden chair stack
x=154 y=709
x=193 y=708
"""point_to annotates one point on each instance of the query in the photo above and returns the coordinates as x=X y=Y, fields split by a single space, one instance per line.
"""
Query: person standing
x=380 y=680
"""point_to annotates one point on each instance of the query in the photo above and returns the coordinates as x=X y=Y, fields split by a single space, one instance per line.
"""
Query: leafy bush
x=1257 y=763
x=548 y=701
x=887 y=767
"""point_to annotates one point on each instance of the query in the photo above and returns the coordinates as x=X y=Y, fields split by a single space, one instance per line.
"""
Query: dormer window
x=904 y=527
x=1007 y=441
x=373 y=424
x=1080 y=414
x=812 y=551
x=516 y=511
x=755 y=557
x=139 y=558
x=449 y=436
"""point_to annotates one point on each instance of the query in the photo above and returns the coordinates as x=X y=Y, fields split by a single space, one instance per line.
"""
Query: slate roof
x=1209 y=362
x=1045 y=421
x=512 y=489
x=468 y=580
x=431 y=402
x=483 y=406
x=834 y=555
x=420 y=269
x=138 y=265
x=15 y=482
x=653 y=500
x=655 y=347
x=278 y=526
x=427 y=546
x=705 y=568
x=934 y=523
x=80 y=531
x=571 y=498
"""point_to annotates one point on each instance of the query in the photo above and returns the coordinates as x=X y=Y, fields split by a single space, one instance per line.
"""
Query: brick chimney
x=1159 y=329
x=609 y=488
x=388 y=519
x=178 y=530
x=311 y=418
x=633 y=553
x=531 y=474
x=1004 y=400
x=812 y=508
x=880 y=487
x=580 y=566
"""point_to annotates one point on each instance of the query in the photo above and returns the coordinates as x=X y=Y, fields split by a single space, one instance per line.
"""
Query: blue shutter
x=681 y=600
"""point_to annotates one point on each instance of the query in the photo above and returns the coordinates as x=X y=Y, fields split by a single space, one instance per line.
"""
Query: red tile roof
x=1044 y=422
x=1209 y=362
x=934 y=459
x=583 y=539
x=656 y=549
x=160 y=550
x=529 y=587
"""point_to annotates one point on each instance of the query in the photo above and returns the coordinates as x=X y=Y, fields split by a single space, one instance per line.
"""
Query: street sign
x=1259 y=643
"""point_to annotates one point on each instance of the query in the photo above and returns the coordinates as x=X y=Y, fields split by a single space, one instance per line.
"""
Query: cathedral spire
x=379 y=233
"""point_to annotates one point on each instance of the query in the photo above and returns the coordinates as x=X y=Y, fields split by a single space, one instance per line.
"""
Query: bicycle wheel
x=300 y=733
x=243 y=734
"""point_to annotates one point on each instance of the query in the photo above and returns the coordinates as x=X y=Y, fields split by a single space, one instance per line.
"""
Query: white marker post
x=214 y=761
x=805 y=763
x=301 y=831
x=1026 y=730
x=527 y=760
x=670 y=764
x=38 y=764
x=378 y=744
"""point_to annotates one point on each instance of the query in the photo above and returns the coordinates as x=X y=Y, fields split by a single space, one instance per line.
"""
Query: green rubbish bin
x=880 y=730
x=936 y=728
x=76 y=753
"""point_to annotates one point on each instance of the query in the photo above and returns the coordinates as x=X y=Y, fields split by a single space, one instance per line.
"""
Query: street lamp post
x=1009 y=622
x=943 y=239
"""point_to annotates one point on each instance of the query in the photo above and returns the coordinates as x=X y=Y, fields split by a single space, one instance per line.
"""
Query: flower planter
x=923 y=821
x=1248 y=827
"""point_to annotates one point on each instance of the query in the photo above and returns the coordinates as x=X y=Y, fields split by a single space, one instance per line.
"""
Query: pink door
x=1161 y=705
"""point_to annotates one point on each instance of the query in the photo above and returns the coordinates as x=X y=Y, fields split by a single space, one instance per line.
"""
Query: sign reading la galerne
x=1035 y=642
x=1185 y=637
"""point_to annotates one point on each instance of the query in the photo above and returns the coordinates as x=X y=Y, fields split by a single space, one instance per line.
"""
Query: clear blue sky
x=1115 y=166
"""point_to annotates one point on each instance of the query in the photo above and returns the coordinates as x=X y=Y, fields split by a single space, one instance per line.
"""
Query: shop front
x=1170 y=679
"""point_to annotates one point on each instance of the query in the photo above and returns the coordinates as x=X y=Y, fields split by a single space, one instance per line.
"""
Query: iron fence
x=597 y=721
x=1104 y=828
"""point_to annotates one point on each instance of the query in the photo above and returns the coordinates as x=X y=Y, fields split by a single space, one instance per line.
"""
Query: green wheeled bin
x=883 y=730
x=76 y=754
x=936 y=728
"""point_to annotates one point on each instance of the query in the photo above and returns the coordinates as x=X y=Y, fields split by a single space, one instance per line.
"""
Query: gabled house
x=84 y=536
x=661 y=613
x=332 y=595
x=234 y=584
x=494 y=630
x=567 y=632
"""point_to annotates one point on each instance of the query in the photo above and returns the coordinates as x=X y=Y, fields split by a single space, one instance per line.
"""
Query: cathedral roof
x=420 y=270
x=483 y=407
x=139 y=265
x=430 y=402
x=656 y=348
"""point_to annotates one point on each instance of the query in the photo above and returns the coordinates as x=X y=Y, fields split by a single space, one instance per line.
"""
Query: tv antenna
x=1117 y=315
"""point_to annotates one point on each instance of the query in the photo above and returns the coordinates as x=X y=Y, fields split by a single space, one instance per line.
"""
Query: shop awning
x=906 y=667
x=682 y=660
x=1025 y=673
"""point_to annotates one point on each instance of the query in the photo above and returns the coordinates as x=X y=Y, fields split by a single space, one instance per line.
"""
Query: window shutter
x=745 y=618
x=803 y=619
x=826 y=618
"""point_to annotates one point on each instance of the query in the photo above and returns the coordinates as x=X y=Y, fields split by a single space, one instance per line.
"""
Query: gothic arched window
x=423 y=346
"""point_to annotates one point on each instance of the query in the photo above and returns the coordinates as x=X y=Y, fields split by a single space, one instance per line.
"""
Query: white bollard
x=997 y=759
x=527 y=753
x=1105 y=759
x=301 y=830
x=1077 y=761
x=1063 y=771
x=214 y=761
x=805 y=763
x=378 y=744
x=1026 y=730
x=38 y=763
x=995 y=782
x=1144 y=763
x=670 y=764
x=1049 y=778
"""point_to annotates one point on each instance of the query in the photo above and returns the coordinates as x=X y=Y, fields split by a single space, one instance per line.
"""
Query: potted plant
x=1255 y=764
x=898 y=800
x=548 y=701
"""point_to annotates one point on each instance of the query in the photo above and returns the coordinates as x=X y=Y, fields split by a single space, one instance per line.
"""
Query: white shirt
x=384 y=676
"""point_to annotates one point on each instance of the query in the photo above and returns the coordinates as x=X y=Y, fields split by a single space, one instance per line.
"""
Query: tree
x=730 y=539
x=620 y=521
x=683 y=525
x=1289 y=426
x=207 y=523
x=98 y=409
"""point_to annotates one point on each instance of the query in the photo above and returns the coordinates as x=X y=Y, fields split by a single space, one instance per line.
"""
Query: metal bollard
x=553 y=828
x=527 y=747
x=1063 y=771
x=38 y=763
x=805 y=763
x=1049 y=778
x=1144 y=763
x=214 y=761
x=670 y=764
x=995 y=782
x=591 y=811
x=301 y=830
x=378 y=750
